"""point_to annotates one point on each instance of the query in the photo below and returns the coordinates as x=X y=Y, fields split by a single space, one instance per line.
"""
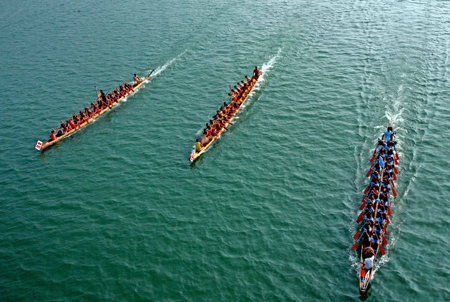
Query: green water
x=117 y=213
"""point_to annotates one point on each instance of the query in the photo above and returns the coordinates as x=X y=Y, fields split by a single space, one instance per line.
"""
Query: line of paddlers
x=223 y=116
x=104 y=101
x=376 y=205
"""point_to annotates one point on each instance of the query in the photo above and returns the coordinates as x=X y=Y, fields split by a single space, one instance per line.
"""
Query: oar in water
x=363 y=204
x=374 y=154
x=370 y=170
x=396 y=154
x=357 y=234
x=360 y=217
x=395 y=193
x=356 y=243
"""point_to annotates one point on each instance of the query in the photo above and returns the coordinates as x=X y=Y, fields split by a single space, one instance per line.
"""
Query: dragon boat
x=210 y=139
x=41 y=146
x=376 y=207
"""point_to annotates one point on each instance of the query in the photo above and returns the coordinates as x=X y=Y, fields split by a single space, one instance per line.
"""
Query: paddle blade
x=387 y=220
x=395 y=170
x=392 y=184
x=372 y=159
x=382 y=250
x=396 y=156
x=367 y=189
x=389 y=211
x=360 y=217
x=368 y=173
x=395 y=193
x=384 y=240
x=357 y=235
x=354 y=246
x=395 y=161
x=362 y=206
x=385 y=231
x=395 y=176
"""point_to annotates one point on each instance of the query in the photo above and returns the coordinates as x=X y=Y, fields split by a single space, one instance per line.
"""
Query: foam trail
x=267 y=66
x=160 y=69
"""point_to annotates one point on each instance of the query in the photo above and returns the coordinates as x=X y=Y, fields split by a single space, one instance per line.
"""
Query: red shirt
x=52 y=136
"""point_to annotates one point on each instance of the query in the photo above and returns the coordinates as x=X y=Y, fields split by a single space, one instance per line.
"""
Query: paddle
x=396 y=153
x=357 y=234
x=395 y=170
x=389 y=211
x=392 y=183
x=374 y=154
x=362 y=206
x=356 y=243
x=370 y=170
x=368 y=188
x=360 y=217
x=395 y=193
x=382 y=250
x=148 y=77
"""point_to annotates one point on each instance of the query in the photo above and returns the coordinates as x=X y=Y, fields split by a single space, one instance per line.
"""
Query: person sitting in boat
x=381 y=214
x=60 y=133
x=204 y=140
x=198 y=146
x=68 y=127
x=368 y=233
x=94 y=108
x=370 y=204
x=369 y=218
x=136 y=80
x=375 y=181
x=375 y=191
x=368 y=256
x=128 y=86
x=378 y=227
x=374 y=241
x=52 y=135
x=385 y=183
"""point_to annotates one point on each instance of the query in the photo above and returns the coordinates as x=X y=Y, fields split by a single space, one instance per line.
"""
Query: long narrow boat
x=42 y=146
x=376 y=209
x=196 y=154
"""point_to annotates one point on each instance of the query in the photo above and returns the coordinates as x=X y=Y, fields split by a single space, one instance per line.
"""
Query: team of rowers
x=377 y=209
x=225 y=114
x=104 y=101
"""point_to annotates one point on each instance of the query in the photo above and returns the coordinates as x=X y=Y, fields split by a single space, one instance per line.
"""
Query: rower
x=103 y=96
x=369 y=256
x=69 y=120
x=52 y=135
x=198 y=146
x=136 y=80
